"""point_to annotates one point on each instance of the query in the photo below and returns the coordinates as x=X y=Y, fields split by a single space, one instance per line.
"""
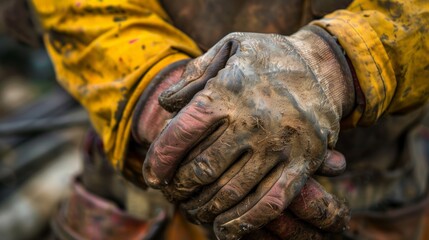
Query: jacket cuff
x=374 y=72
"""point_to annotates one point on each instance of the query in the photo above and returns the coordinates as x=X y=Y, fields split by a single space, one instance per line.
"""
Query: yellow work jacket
x=105 y=53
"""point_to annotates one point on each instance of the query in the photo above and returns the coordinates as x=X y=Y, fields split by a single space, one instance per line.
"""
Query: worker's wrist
x=149 y=117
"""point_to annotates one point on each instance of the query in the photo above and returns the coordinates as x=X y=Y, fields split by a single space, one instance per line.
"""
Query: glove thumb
x=196 y=75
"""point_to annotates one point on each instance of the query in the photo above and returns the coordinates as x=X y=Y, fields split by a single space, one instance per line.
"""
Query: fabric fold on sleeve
x=105 y=53
x=387 y=44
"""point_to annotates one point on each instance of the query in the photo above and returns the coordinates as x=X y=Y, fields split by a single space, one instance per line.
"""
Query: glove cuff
x=149 y=117
x=328 y=62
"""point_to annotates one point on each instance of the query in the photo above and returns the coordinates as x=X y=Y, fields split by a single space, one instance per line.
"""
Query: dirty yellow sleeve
x=387 y=42
x=105 y=52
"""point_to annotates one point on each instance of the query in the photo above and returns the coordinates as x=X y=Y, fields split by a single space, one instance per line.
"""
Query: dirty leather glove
x=149 y=117
x=262 y=125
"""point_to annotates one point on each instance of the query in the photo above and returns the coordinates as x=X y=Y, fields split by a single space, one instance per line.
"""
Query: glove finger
x=237 y=182
x=192 y=124
x=320 y=208
x=196 y=75
x=333 y=165
x=268 y=201
x=288 y=226
x=230 y=189
x=206 y=163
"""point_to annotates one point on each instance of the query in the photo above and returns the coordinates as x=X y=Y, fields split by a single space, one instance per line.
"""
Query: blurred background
x=41 y=129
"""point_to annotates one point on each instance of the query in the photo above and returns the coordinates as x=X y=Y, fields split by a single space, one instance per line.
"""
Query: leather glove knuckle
x=204 y=171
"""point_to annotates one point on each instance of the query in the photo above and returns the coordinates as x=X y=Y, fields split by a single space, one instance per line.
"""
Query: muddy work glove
x=262 y=125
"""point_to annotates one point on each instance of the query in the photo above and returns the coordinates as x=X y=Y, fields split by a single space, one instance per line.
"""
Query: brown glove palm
x=261 y=126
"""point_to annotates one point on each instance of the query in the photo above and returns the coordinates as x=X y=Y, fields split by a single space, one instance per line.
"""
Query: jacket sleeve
x=388 y=45
x=105 y=53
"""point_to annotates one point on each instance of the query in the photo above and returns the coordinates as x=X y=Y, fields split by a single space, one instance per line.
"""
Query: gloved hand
x=262 y=125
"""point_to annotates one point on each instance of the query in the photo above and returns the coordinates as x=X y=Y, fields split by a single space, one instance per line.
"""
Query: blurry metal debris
x=22 y=162
x=76 y=118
